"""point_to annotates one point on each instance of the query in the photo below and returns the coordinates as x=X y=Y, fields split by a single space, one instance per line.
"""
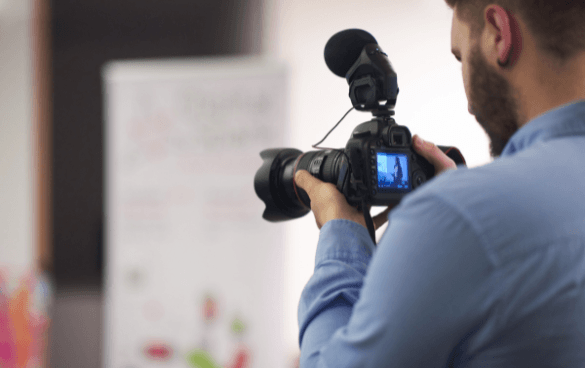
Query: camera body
x=382 y=164
x=378 y=165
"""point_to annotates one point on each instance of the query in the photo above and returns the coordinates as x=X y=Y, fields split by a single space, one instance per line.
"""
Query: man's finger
x=306 y=181
x=433 y=154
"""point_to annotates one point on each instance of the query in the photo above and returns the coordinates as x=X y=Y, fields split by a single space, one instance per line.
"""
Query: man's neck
x=546 y=85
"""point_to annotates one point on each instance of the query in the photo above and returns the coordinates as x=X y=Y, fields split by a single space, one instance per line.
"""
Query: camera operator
x=481 y=267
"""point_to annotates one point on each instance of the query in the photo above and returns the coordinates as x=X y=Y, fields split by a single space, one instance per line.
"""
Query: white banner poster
x=194 y=274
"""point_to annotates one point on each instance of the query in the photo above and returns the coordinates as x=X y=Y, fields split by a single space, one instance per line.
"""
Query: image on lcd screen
x=392 y=171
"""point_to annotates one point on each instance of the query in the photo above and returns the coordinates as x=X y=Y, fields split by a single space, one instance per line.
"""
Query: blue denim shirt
x=481 y=267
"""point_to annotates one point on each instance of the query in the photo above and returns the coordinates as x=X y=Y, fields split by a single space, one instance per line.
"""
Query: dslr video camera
x=378 y=166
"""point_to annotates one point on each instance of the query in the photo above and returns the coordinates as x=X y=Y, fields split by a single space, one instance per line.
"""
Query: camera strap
x=369 y=221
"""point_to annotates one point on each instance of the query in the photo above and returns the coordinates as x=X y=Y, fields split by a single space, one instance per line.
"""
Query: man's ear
x=507 y=32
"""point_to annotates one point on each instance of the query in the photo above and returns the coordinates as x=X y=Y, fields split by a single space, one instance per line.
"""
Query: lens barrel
x=274 y=181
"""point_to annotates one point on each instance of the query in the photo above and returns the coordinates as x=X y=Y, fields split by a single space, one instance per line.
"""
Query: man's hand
x=328 y=203
x=434 y=155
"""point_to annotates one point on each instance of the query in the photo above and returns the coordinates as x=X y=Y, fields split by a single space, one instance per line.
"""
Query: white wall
x=432 y=103
x=16 y=176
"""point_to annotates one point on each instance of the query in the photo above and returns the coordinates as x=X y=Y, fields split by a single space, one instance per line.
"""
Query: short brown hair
x=558 y=25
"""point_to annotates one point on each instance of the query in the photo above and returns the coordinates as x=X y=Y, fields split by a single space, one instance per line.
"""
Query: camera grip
x=454 y=154
x=423 y=170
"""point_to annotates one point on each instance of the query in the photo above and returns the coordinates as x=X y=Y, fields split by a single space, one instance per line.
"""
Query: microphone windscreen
x=344 y=48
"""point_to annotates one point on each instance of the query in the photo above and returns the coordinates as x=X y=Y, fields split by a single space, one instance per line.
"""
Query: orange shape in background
x=23 y=332
x=19 y=307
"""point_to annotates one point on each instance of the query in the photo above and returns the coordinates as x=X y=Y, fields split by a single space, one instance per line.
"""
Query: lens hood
x=270 y=185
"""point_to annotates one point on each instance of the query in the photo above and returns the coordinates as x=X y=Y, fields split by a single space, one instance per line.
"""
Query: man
x=480 y=267
x=398 y=173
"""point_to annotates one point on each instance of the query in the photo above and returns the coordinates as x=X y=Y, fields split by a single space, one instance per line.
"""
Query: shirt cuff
x=346 y=241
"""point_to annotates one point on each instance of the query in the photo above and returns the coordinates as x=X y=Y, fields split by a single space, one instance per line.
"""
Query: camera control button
x=418 y=179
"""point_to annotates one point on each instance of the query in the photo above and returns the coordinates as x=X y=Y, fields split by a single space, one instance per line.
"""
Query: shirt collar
x=562 y=121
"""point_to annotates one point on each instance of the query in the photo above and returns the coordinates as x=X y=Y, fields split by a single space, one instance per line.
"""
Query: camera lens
x=274 y=181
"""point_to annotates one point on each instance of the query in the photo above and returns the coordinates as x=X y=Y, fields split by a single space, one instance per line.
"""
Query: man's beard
x=492 y=102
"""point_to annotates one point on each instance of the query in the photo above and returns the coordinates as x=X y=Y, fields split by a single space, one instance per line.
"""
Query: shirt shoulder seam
x=468 y=218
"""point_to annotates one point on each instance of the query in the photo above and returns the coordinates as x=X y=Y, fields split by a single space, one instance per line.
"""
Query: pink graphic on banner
x=7 y=339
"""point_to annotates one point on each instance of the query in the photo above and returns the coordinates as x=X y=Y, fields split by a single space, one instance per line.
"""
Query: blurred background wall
x=16 y=140
x=86 y=34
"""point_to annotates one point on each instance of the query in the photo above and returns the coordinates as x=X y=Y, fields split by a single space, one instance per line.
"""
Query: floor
x=75 y=338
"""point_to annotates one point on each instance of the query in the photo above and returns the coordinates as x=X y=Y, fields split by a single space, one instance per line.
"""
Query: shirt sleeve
x=412 y=302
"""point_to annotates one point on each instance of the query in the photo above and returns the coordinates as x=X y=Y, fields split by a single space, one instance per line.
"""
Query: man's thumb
x=305 y=180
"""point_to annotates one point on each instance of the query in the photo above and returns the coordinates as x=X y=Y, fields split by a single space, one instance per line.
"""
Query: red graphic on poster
x=241 y=358
x=209 y=309
x=159 y=352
